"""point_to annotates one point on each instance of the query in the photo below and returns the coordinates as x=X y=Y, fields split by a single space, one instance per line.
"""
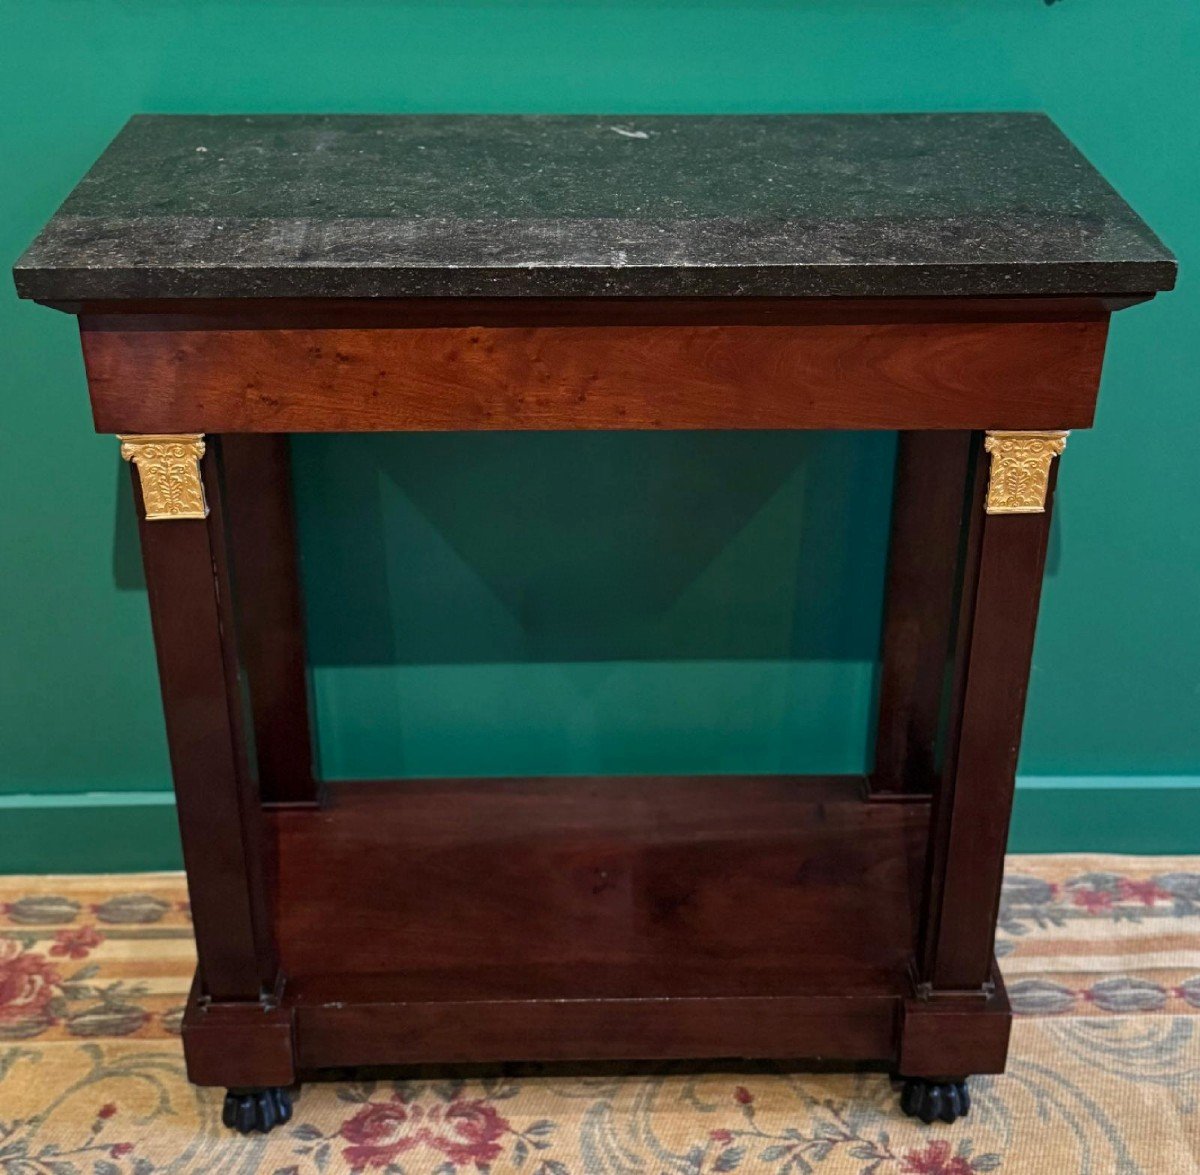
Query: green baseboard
x=129 y=832
x=1154 y=815
x=100 y=832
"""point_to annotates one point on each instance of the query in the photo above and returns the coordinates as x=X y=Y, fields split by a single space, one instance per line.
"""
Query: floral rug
x=1101 y=955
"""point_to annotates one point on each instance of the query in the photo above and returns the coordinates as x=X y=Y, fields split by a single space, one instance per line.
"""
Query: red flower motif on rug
x=27 y=985
x=465 y=1132
x=75 y=944
x=1094 y=901
x=1146 y=892
x=936 y=1159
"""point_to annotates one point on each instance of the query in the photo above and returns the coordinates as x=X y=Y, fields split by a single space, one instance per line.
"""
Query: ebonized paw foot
x=247 y=1110
x=946 y=1100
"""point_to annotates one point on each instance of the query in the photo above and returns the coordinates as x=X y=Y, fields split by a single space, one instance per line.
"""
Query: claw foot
x=944 y=1100
x=247 y=1110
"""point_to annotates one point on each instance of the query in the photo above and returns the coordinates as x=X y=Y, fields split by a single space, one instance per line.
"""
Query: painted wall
x=572 y=603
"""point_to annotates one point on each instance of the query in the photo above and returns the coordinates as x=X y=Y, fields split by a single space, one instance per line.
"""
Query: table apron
x=890 y=375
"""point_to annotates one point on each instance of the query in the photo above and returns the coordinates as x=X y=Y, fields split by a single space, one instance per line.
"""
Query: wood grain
x=956 y=1035
x=1003 y=563
x=850 y=1028
x=560 y=919
x=237 y=1044
x=220 y=821
x=927 y=508
x=915 y=375
x=270 y=612
x=471 y=920
x=467 y=889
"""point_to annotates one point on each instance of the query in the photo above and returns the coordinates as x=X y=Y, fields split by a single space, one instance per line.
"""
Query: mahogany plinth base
x=458 y=921
x=956 y=1033
x=239 y=1045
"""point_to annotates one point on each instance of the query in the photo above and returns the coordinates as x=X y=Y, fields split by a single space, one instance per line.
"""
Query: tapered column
x=270 y=612
x=178 y=493
x=923 y=557
x=1007 y=529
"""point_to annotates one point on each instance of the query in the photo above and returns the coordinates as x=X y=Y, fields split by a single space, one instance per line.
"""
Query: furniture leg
x=234 y=1031
x=270 y=613
x=923 y=556
x=958 y=1019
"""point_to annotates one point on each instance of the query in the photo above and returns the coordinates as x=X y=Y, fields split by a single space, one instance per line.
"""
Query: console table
x=237 y=279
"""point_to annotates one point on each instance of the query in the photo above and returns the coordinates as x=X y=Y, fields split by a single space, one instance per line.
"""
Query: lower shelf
x=565 y=919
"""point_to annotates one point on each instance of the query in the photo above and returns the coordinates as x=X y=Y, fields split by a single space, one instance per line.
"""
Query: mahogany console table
x=238 y=279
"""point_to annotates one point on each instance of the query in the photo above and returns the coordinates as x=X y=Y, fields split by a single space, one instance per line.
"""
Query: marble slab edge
x=1047 y=279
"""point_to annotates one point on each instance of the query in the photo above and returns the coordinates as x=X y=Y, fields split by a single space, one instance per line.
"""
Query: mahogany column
x=1002 y=585
x=190 y=609
x=270 y=612
x=956 y=977
x=931 y=467
x=234 y=1023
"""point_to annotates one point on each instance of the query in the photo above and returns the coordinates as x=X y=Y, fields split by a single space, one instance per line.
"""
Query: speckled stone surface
x=398 y=206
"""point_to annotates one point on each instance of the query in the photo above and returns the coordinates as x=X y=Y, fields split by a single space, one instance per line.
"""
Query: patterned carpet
x=1101 y=955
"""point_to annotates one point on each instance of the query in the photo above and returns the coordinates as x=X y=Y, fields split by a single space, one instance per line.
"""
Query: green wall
x=573 y=603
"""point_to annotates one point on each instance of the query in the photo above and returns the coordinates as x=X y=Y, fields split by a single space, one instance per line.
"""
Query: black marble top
x=183 y=206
